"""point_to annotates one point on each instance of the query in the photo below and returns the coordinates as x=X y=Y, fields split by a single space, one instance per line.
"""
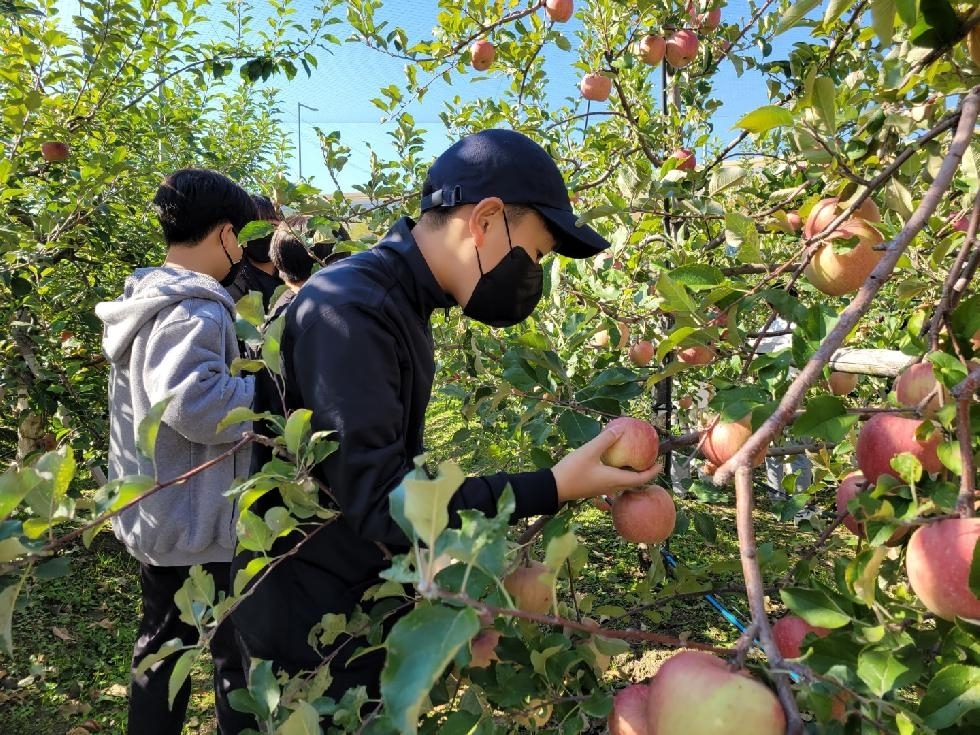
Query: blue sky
x=344 y=82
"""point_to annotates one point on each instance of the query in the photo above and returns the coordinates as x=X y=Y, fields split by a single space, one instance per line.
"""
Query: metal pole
x=299 y=135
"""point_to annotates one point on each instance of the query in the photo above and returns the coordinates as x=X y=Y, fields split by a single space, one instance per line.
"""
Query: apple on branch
x=789 y=632
x=530 y=587
x=595 y=87
x=916 y=382
x=636 y=448
x=559 y=11
x=697 y=693
x=885 y=436
x=482 y=53
x=54 y=150
x=644 y=515
x=651 y=49
x=642 y=352
x=724 y=438
x=681 y=48
x=938 y=561
x=629 y=711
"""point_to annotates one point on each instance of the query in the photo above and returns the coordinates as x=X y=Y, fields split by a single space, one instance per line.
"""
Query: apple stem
x=963 y=393
x=812 y=372
x=755 y=589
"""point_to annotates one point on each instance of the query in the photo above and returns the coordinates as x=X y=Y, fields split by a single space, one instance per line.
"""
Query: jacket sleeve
x=186 y=358
x=349 y=369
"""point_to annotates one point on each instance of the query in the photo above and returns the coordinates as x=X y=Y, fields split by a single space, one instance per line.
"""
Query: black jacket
x=357 y=350
x=252 y=278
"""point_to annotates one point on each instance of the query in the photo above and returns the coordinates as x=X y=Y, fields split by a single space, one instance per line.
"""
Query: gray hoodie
x=172 y=333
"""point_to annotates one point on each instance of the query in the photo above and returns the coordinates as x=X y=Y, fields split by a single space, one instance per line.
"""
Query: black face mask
x=233 y=268
x=507 y=293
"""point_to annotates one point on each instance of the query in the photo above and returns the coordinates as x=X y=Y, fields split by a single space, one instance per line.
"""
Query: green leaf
x=765 y=118
x=304 y=720
x=240 y=415
x=741 y=235
x=705 y=526
x=14 y=486
x=420 y=646
x=427 y=501
x=255 y=229
x=271 y=344
x=698 y=276
x=825 y=418
x=824 y=102
x=954 y=691
x=181 y=670
x=577 y=428
x=251 y=309
x=834 y=9
x=150 y=427
x=297 y=430
x=795 y=14
x=8 y=598
x=881 y=671
x=815 y=607
x=55 y=568
x=674 y=296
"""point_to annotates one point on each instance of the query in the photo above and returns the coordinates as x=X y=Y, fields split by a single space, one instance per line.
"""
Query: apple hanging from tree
x=482 y=648
x=629 y=711
x=835 y=271
x=595 y=87
x=938 y=560
x=681 y=48
x=885 y=436
x=559 y=10
x=842 y=383
x=794 y=221
x=696 y=693
x=686 y=161
x=642 y=352
x=530 y=587
x=651 y=49
x=54 y=150
x=644 y=515
x=724 y=438
x=826 y=211
x=696 y=355
x=916 y=382
x=637 y=447
x=482 y=53
x=850 y=486
x=789 y=632
x=685 y=402
x=707 y=21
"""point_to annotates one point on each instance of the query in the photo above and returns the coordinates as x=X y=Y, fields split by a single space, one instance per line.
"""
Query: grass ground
x=73 y=636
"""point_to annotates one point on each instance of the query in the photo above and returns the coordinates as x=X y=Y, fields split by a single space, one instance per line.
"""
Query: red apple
x=482 y=648
x=651 y=49
x=789 y=632
x=725 y=438
x=826 y=211
x=637 y=447
x=916 y=382
x=681 y=48
x=685 y=159
x=54 y=150
x=708 y=21
x=602 y=503
x=842 y=383
x=960 y=221
x=685 y=402
x=849 y=487
x=642 y=352
x=645 y=515
x=482 y=53
x=696 y=693
x=629 y=711
x=530 y=587
x=884 y=436
x=938 y=560
x=559 y=10
x=696 y=355
x=595 y=86
x=837 y=273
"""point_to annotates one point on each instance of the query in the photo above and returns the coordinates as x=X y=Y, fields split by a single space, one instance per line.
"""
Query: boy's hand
x=582 y=474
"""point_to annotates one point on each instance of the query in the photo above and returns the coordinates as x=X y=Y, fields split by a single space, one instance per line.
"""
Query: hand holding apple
x=583 y=474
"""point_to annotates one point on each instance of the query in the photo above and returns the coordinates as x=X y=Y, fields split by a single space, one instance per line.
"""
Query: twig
x=963 y=394
x=956 y=280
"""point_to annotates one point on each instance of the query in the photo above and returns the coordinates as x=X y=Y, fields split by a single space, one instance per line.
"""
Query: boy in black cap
x=357 y=351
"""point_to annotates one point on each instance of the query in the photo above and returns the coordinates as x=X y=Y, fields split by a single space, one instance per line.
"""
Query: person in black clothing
x=257 y=272
x=357 y=351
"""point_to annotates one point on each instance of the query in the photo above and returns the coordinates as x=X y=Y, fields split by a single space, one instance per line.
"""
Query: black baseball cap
x=511 y=166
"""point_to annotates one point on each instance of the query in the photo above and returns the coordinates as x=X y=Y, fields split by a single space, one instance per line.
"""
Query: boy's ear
x=482 y=216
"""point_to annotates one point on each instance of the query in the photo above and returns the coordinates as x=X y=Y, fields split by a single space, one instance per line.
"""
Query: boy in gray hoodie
x=171 y=335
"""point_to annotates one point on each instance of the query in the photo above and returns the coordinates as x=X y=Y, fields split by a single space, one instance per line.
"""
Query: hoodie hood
x=147 y=292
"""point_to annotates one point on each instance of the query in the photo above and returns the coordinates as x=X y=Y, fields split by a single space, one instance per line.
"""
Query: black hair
x=439 y=216
x=258 y=249
x=192 y=202
x=294 y=253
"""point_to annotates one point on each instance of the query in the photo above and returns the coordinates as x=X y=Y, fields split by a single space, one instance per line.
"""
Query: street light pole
x=299 y=135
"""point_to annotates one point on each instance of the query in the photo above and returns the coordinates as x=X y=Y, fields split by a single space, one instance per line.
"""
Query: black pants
x=149 y=713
